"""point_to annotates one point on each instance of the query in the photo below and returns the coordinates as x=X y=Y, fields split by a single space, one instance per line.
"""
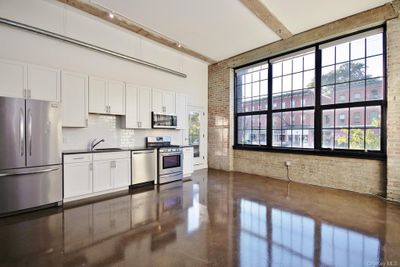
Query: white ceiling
x=220 y=29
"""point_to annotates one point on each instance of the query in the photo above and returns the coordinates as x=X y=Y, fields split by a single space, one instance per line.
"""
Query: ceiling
x=220 y=29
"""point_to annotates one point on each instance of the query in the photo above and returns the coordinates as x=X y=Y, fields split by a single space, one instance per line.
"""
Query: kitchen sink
x=108 y=149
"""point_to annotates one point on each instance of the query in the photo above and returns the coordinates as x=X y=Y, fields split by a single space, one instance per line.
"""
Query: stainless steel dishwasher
x=144 y=166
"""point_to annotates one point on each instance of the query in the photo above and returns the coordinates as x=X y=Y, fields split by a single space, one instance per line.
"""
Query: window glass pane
x=263 y=137
x=309 y=97
x=327 y=93
x=277 y=69
x=374 y=67
x=247 y=90
x=373 y=139
x=374 y=89
x=342 y=93
x=256 y=76
x=342 y=72
x=264 y=74
x=357 y=138
x=263 y=103
x=342 y=138
x=357 y=91
x=276 y=138
x=374 y=45
x=263 y=121
x=247 y=137
x=328 y=118
x=297 y=64
x=309 y=61
x=308 y=119
x=357 y=116
x=328 y=56
x=247 y=122
x=328 y=75
x=264 y=87
x=357 y=70
x=308 y=138
x=298 y=81
x=341 y=118
x=276 y=101
x=309 y=79
x=342 y=52
x=358 y=48
x=276 y=120
x=327 y=138
x=240 y=122
x=297 y=98
x=255 y=138
x=256 y=122
x=277 y=85
x=287 y=67
x=373 y=116
x=286 y=120
x=287 y=83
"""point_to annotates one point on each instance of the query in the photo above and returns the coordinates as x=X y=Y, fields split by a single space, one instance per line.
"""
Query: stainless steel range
x=170 y=159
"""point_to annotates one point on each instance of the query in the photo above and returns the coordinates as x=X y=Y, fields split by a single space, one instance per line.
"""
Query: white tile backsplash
x=108 y=127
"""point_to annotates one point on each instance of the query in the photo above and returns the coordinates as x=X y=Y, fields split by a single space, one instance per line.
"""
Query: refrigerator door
x=12 y=133
x=43 y=133
x=29 y=188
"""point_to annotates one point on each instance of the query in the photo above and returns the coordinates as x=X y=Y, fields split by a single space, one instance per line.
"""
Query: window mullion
x=269 y=110
x=318 y=110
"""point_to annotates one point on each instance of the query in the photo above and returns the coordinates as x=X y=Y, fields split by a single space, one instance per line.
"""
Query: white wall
x=51 y=15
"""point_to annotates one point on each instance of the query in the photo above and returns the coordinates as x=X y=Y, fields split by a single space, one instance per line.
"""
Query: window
x=341 y=83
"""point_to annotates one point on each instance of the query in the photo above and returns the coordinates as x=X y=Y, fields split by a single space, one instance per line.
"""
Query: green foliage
x=372 y=140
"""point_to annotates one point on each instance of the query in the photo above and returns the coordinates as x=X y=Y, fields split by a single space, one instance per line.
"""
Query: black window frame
x=318 y=108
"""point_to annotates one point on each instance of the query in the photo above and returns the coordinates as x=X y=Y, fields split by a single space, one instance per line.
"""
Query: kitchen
x=211 y=133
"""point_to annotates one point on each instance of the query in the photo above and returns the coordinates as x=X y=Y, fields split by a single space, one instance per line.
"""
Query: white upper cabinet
x=106 y=97
x=181 y=111
x=97 y=95
x=29 y=81
x=74 y=99
x=144 y=105
x=12 y=78
x=138 y=107
x=43 y=83
x=116 y=97
x=163 y=101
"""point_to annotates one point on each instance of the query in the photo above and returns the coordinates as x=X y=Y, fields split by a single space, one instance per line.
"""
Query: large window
x=328 y=98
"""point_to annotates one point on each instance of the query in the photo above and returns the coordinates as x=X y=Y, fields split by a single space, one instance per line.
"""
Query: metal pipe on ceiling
x=57 y=36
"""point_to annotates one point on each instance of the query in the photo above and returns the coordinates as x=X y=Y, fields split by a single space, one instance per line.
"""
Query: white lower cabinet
x=89 y=174
x=187 y=161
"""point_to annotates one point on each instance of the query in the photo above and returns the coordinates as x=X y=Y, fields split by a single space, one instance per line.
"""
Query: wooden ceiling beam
x=132 y=26
x=266 y=16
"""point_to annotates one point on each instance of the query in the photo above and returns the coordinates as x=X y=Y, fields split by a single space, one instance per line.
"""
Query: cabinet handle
x=113 y=164
x=29 y=94
x=87 y=122
x=109 y=109
x=79 y=158
x=90 y=166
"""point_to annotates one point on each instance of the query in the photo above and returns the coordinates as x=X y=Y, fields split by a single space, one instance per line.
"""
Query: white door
x=74 y=99
x=101 y=175
x=77 y=179
x=116 y=97
x=12 y=79
x=181 y=111
x=131 y=107
x=97 y=95
x=169 y=102
x=157 y=101
x=144 y=105
x=196 y=127
x=43 y=83
x=121 y=173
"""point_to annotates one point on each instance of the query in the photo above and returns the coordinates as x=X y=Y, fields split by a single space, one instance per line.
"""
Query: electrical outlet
x=288 y=163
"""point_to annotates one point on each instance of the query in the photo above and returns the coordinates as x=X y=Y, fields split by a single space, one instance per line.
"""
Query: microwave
x=163 y=121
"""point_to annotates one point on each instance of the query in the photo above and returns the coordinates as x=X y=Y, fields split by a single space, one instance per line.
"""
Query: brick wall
x=365 y=176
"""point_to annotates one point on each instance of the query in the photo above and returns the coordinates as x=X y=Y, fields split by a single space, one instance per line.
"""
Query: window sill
x=322 y=152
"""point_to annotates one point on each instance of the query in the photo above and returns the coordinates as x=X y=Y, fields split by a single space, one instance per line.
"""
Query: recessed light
x=111 y=15
x=179 y=44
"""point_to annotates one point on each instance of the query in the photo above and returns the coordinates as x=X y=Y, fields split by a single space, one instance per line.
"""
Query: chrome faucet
x=93 y=144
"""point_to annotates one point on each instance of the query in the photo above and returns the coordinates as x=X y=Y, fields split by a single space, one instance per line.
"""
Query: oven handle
x=171 y=154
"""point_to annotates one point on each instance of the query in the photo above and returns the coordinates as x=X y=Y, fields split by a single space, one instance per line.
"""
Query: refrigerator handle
x=22 y=132
x=30 y=132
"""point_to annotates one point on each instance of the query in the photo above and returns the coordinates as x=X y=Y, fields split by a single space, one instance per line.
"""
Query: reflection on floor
x=217 y=219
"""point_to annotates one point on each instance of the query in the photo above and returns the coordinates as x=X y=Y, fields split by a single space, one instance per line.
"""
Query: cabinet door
x=157 y=101
x=116 y=97
x=131 y=107
x=12 y=79
x=169 y=102
x=121 y=173
x=77 y=179
x=101 y=175
x=144 y=104
x=181 y=111
x=97 y=95
x=187 y=161
x=43 y=83
x=74 y=99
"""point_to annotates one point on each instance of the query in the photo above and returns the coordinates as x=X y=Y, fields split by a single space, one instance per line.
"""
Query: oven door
x=170 y=163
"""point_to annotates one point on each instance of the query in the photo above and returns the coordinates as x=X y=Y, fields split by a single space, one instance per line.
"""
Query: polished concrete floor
x=217 y=219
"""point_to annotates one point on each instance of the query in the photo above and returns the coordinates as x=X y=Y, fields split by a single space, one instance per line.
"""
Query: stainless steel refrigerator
x=30 y=154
